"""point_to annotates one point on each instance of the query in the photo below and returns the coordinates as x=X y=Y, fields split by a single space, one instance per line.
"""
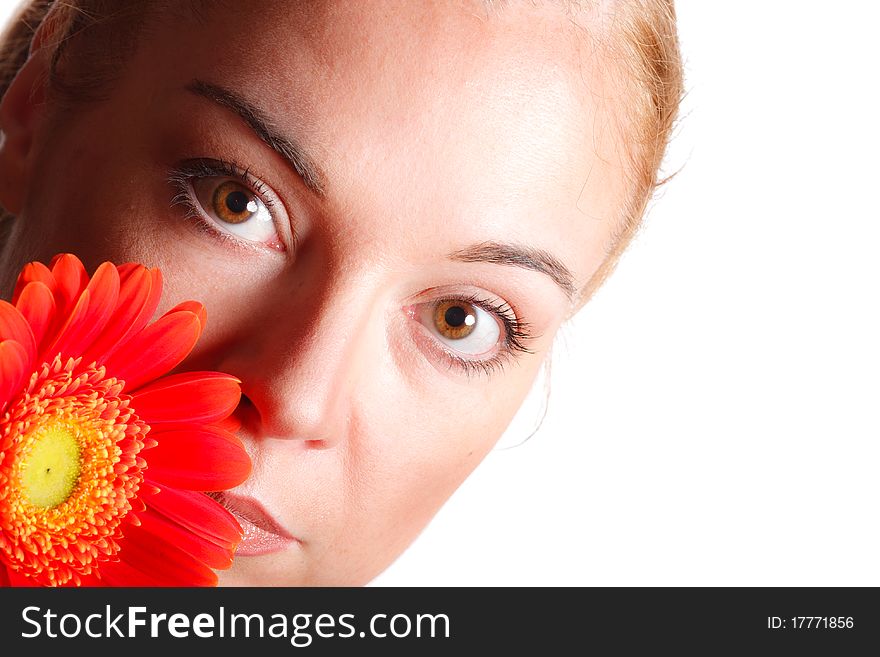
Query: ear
x=21 y=111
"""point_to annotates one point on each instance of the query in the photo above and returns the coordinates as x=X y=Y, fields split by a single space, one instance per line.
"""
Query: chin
x=292 y=569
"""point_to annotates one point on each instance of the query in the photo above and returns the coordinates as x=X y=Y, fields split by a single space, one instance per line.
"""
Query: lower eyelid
x=437 y=352
x=486 y=365
x=186 y=171
x=186 y=197
x=194 y=216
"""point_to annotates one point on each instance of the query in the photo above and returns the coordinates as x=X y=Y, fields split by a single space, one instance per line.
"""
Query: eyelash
x=516 y=334
x=516 y=330
x=181 y=177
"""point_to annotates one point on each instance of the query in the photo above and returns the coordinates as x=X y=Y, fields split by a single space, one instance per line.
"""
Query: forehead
x=468 y=123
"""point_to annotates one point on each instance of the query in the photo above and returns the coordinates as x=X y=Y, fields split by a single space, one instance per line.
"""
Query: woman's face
x=382 y=207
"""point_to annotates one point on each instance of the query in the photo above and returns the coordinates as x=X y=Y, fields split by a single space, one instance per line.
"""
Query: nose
x=302 y=361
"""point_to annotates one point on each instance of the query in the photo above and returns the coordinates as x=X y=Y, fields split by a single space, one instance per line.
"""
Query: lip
x=262 y=533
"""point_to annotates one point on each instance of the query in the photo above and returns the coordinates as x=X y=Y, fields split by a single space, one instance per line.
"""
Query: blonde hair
x=642 y=39
x=639 y=36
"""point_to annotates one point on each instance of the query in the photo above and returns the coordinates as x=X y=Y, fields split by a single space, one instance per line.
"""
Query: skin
x=436 y=126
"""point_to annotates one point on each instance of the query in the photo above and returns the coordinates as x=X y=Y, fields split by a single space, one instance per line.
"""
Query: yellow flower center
x=70 y=471
x=51 y=471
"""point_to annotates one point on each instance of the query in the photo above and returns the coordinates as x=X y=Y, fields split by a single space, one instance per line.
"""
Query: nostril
x=273 y=408
x=246 y=413
x=266 y=422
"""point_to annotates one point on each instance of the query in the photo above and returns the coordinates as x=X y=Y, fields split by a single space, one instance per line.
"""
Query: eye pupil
x=455 y=316
x=233 y=204
x=454 y=319
x=237 y=202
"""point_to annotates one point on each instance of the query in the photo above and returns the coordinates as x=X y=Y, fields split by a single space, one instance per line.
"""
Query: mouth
x=262 y=533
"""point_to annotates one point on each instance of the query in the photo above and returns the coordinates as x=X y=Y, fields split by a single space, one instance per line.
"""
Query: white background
x=714 y=409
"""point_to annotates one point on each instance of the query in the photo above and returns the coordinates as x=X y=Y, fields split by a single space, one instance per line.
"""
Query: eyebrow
x=311 y=174
x=517 y=255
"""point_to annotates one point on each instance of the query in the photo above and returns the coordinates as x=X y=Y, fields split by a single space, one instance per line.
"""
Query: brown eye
x=234 y=208
x=455 y=319
x=462 y=325
x=233 y=203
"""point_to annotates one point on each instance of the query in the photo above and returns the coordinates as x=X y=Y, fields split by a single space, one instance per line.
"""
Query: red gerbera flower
x=103 y=460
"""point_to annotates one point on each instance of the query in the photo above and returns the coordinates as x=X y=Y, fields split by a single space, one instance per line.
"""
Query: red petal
x=139 y=294
x=92 y=312
x=157 y=555
x=91 y=581
x=205 y=397
x=196 y=511
x=127 y=269
x=13 y=326
x=199 y=458
x=37 y=304
x=4 y=579
x=206 y=551
x=14 y=370
x=231 y=424
x=194 y=307
x=73 y=319
x=155 y=350
x=71 y=279
x=119 y=573
x=33 y=272
x=17 y=579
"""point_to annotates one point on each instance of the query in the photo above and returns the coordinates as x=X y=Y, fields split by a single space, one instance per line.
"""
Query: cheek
x=90 y=199
x=416 y=451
